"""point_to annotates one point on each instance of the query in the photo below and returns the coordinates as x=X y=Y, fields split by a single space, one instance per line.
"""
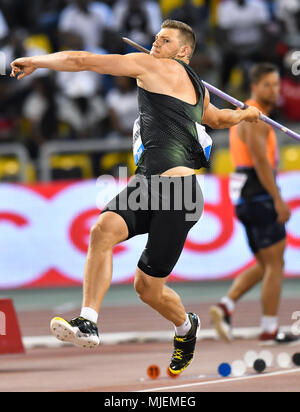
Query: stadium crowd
x=232 y=35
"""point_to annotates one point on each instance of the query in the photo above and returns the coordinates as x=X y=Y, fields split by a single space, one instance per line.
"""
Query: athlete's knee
x=97 y=235
x=102 y=234
x=275 y=266
x=146 y=292
x=141 y=289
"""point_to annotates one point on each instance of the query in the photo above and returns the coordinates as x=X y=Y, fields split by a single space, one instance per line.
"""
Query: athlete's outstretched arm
x=224 y=118
x=131 y=65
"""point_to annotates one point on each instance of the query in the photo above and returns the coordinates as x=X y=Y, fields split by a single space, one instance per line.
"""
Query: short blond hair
x=186 y=32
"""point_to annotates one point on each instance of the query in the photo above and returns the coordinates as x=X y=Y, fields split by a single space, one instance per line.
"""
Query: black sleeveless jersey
x=166 y=133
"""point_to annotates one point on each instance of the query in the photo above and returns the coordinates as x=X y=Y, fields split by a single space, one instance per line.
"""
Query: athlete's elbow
x=212 y=123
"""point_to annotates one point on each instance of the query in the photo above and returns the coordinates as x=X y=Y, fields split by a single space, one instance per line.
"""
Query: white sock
x=269 y=324
x=89 y=314
x=229 y=303
x=184 y=328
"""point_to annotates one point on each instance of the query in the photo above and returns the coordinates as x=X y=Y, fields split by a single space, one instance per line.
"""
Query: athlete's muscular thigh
x=109 y=230
x=273 y=255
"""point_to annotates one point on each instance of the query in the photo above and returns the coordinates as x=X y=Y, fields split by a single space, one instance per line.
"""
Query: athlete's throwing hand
x=22 y=67
x=252 y=114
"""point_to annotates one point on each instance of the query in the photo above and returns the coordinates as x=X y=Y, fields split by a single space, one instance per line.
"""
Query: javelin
x=226 y=97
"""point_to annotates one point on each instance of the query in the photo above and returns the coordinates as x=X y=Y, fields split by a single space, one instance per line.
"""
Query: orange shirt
x=240 y=154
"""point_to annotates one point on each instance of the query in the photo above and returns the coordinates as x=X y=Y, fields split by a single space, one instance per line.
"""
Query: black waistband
x=253 y=186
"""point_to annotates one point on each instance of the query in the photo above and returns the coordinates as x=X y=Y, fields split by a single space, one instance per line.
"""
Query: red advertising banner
x=44 y=234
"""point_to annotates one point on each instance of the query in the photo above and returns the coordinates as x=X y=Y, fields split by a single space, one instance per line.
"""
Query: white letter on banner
x=2 y=324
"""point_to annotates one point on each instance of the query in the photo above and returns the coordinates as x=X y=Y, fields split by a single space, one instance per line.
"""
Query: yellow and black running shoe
x=184 y=347
x=79 y=331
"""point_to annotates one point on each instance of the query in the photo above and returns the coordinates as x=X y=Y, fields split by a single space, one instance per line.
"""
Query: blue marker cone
x=224 y=369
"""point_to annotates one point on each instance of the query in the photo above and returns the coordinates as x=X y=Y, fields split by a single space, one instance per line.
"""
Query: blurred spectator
x=271 y=6
x=139 y=20
x=167 y=6
x=86 y=18
x=47 y=20
x=3 y=27
x=197 y=17
x=241 y=26
x=123 y=106
x=104 y=10
x=82 y=106
x=75 y=83
x=85 y=112
x=20 y=44
x=290 y=87
x=19 y=14
x=41 y=112
x=288 y=12
x=52 y=115
x=194 y=16
x=14 y=46
x=8 y=119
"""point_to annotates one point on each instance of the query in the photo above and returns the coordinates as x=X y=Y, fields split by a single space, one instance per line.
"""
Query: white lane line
x=226 y=380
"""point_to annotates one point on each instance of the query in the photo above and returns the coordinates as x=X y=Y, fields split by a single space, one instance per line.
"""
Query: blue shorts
x=260 y=221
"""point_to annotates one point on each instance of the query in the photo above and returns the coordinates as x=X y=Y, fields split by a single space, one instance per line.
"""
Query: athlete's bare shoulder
x=147 y=62
x=152 y=71
x=167 y=76
x=154 y=65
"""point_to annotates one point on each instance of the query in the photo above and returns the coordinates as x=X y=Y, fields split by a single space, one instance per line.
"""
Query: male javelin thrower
x=261 y=209
x=172 y=105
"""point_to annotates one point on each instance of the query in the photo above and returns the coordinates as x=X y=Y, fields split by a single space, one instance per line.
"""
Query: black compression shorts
x=260 y=221
x=166 y=208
